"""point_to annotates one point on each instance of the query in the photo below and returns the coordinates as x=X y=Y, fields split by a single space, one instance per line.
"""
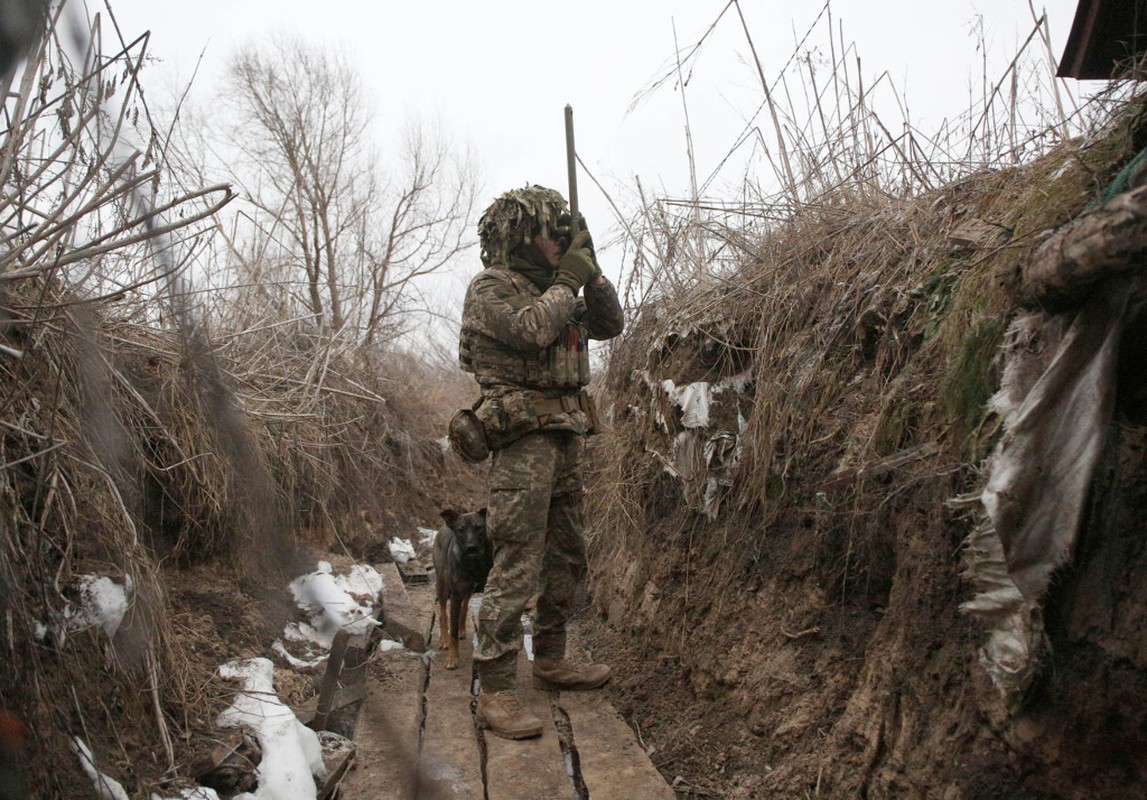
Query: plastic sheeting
x=703 y=452
x=1043 y=465
x=1056 y=399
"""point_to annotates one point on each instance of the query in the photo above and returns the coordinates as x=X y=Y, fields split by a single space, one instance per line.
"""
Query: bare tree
x=347 y=239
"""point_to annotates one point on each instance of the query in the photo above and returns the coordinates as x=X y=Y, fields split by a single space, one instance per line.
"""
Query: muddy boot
x=564 y=674
x=504 y=716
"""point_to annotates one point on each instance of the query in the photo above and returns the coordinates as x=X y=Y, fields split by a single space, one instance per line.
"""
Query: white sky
x=496 y=75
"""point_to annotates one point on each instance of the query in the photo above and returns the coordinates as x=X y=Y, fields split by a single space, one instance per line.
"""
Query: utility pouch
x=589 y=407
x=508 y=418
x=569 y=358
x=468 y=436
x=580 y=407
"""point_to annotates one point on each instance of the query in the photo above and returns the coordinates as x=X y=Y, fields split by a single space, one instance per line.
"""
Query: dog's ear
x=450 y=515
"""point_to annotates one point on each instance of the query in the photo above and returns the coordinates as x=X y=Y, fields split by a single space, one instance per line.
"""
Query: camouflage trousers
x=534 y=519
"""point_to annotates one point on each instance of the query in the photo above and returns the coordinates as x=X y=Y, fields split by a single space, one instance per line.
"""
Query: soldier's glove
x=577 y=266
x=563 y=232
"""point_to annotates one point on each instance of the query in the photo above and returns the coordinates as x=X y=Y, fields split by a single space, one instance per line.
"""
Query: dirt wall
x=802 y=637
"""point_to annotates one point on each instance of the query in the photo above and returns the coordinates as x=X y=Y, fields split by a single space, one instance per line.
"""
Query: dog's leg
x=443 y=626
x=463 y=613
x=452 y=651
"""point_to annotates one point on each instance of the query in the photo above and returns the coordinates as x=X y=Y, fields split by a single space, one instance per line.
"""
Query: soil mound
x=778 y=562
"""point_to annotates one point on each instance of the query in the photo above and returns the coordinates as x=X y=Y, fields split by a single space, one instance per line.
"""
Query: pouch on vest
x=468 y=436
x=507 y=418
x=590 y=408
x=569 y=358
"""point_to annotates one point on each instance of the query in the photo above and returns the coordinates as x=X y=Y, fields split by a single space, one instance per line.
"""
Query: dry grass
x=868 y=319
x=146 y=428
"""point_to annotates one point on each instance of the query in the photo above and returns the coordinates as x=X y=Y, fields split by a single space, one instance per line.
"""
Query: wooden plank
x=343 y=697
x=386 y=736
x=387 y=733
x=330 y=681
x=391 y=764
x=402 y=620
x=612 y=762
x=450 y=761
x=413 y=572
x=528 y=769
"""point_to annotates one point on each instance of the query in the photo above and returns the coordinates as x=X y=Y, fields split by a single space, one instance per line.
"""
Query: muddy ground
x=792 y=684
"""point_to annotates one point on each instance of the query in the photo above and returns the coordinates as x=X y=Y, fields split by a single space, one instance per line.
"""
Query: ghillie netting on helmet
x=515 y=218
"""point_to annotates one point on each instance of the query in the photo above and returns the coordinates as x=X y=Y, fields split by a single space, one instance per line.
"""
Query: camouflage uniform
x=524 y=341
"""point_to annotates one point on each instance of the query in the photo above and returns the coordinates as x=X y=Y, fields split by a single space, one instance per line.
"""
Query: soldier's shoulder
x=492 y=275
x=495 y=280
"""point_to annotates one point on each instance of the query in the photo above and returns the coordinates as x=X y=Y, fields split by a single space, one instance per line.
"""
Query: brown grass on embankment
x=808 y=633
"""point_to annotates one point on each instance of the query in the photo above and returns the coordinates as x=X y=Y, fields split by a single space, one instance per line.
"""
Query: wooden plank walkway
x=529 y=767
x=416 y=736
x=451 y=762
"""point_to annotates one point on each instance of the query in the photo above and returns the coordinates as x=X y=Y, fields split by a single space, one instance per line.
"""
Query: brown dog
x=463 y=556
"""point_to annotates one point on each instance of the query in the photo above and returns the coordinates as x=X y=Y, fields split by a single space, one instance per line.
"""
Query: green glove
x=562 y=231
x=577 y=266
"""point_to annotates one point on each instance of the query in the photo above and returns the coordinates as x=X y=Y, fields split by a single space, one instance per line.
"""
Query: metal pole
x=571 y=168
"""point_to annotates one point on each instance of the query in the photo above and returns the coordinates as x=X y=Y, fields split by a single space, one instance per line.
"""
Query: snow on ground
x=106 y=788
x=291 y=751
x=401 y=550
x=103 y=602
x=332 y=603
x=292 y=754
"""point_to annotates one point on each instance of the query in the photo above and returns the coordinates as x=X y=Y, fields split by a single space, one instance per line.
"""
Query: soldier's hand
x=578 y=266
x=564 y=232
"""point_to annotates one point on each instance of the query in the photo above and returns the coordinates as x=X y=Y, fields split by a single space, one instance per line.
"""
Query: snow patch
x=401 y=550
x=104 y=604
x=292 y=754
x=106 y=788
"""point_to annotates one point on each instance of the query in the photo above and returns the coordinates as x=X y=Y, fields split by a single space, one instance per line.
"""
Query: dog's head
x=469 y=532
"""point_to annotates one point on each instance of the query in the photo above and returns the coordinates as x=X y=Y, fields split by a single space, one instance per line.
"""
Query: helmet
x=515 y=218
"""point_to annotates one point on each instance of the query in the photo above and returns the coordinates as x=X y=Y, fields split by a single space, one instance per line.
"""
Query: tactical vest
x=562 y=365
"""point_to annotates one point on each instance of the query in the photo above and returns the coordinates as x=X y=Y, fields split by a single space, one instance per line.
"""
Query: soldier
x=524 y=338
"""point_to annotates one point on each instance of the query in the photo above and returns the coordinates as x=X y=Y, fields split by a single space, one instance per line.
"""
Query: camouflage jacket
x=515 y=337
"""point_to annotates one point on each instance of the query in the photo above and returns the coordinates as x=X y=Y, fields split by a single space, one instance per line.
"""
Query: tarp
x=1042 y=467
x=1056 y=400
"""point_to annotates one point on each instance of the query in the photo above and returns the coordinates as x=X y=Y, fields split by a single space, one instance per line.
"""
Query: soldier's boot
x=503 y=714
x=564 y=674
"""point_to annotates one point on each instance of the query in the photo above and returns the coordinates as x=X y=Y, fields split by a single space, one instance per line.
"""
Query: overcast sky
x=497 y=75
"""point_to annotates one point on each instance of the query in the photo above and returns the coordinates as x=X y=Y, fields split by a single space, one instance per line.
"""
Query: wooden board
x=528 y=768
x=394 y=764
x=405 y=621
x=612 y=762
x=386 y=735
x=450 y=760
